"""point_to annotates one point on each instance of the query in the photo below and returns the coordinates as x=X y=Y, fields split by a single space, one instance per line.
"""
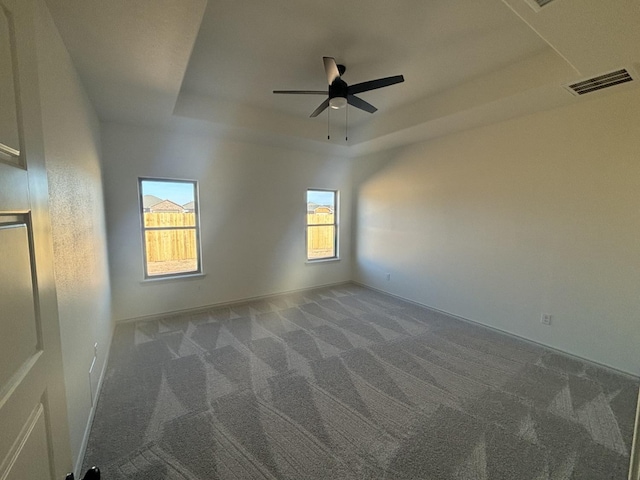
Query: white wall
x=252 y=210
x=72 y=153
x=499 y=224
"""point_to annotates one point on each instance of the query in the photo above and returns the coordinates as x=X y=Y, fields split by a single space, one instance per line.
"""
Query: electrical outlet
x=388 y=277
x=545 y=319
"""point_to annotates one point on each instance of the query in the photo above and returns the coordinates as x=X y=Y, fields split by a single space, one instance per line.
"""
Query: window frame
x=143 y=229
x=335 y=224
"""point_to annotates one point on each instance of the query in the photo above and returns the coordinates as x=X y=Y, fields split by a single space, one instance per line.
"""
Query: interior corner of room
x=488 y=186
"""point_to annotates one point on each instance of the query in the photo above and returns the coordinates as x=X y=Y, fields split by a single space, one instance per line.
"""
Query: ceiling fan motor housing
x=338 y=88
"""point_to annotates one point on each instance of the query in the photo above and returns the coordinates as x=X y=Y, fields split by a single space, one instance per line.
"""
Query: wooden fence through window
x=173 y=244
x=320 y=238
x=170 y=244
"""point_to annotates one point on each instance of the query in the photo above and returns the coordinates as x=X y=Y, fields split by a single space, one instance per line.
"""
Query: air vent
x=602 y=81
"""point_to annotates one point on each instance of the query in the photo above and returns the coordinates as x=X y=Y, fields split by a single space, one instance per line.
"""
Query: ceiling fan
x=340 y=94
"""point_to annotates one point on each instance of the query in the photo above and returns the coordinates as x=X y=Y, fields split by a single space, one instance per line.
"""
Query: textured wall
x=252 y=212
x=72 y=152
x=500 y=224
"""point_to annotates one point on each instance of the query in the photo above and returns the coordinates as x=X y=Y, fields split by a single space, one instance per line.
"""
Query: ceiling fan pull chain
x=328 y=121
x=346 y=124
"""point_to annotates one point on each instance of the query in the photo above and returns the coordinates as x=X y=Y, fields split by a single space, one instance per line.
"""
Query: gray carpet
x=347 y=383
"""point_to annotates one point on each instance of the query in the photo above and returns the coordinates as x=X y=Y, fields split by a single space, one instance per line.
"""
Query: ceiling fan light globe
x=338 y=102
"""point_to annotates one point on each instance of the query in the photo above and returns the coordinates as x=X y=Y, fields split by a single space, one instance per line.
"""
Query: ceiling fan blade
x=302 y=92
x=331 y=68
x=323 y=106
x=361 y=104
x=373 y=84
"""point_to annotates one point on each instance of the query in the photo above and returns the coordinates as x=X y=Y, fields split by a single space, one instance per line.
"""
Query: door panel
x=12 y=201
x=19 y=341
x=29 y=457
x=9 y=130
x=34 y=438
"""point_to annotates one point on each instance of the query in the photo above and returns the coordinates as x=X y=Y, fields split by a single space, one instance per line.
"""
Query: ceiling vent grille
x=601 y=81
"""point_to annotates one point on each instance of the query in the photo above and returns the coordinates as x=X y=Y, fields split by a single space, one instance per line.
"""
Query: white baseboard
x=504 y=332
x=204 y=308
x=634 y=463
x=87 y=431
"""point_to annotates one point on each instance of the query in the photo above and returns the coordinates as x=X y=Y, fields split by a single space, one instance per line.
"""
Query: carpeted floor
x=347 y=383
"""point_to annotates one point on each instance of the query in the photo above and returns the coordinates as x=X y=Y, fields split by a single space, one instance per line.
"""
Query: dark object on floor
x=92 y=474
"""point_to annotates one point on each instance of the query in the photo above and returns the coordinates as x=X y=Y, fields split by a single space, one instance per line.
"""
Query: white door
x=34 y=440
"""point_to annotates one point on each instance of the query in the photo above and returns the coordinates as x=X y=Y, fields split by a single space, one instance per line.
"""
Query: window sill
x=322 y=260
x=173 y=278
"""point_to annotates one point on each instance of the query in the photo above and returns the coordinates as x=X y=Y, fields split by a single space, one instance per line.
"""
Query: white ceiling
x=214 y=64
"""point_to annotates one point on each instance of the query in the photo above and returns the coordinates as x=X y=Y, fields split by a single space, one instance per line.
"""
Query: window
x=322 y=224
x=170 y=227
